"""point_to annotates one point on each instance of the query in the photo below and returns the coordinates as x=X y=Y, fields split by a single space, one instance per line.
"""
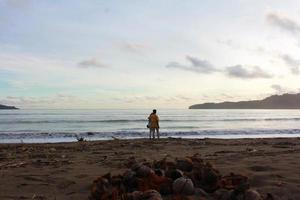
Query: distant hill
x=285 y=101
x=2 y=107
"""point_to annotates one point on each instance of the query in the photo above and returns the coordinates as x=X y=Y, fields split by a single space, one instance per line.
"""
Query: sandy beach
x=67 y=170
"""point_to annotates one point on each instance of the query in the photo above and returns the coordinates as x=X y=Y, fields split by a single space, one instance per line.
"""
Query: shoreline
x=67 y=170
x=112 y=138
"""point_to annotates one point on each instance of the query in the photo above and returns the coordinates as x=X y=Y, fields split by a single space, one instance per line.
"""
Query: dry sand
x=66 y=170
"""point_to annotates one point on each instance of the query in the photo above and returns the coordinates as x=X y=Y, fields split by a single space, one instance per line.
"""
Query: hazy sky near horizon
x=146 y=53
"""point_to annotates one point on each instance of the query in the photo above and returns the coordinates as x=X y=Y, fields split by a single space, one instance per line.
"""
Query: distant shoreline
x=3 y=107
x=285 y=101
x=244 y=108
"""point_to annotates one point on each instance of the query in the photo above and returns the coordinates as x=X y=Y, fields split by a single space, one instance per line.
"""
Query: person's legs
x=157 y=132
x=152 y=131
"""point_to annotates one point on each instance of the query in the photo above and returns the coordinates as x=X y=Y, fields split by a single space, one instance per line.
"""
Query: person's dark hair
x=154 y=110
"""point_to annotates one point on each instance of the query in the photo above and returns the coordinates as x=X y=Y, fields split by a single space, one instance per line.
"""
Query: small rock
x=159 y=172
x=143 y=171
x=174 y=174
x=252 y=195
x=200 y=192
x=222 y=194
x=52 y=149
x=151 y=195
x=185 y=164
x=183 y=186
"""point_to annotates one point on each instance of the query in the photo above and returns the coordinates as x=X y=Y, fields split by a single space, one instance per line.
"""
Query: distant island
x=3 y=107
x=285 y=101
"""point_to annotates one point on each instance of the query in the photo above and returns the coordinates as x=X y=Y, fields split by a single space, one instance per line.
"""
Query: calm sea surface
x=65 y=125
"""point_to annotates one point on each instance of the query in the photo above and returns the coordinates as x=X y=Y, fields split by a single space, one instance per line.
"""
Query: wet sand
x=66 y=170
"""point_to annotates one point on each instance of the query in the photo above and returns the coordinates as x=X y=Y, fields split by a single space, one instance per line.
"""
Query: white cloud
x=59 y=100
x=138 y=48
x=279 y=89
x=91 y=63
x=240 y=71
x=291 y=62
x=283 y=22
x=29 y=63
x=196 y=65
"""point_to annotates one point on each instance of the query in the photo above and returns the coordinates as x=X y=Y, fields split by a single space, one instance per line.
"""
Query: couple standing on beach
x=153 y=125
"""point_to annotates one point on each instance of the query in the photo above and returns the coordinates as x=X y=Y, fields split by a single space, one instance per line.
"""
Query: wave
x=70 y=121
x=263 y=119
x=143 y=120
x=62 y=136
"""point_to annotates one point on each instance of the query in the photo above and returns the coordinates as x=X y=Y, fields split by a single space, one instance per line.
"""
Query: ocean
x=41 y=125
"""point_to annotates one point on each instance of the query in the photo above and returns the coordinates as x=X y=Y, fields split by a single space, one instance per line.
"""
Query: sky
x=146 y=53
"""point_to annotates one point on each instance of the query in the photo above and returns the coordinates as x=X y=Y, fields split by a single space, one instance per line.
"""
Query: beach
x=67 y=170
x=84 y=85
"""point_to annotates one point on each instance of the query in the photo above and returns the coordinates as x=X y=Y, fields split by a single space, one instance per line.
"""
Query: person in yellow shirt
x=153 y=124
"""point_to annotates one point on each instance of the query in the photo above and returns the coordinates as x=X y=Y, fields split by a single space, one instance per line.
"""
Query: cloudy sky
x=146 y=53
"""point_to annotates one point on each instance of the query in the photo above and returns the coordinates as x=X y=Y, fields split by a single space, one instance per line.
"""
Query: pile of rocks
x=189 y=178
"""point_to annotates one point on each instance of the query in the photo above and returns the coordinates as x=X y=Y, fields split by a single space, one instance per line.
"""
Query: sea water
x=41 y=125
